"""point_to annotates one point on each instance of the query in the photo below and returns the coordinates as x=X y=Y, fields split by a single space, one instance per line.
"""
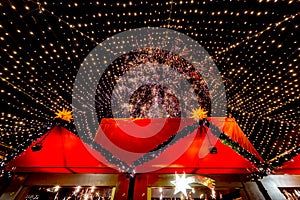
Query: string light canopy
x=254 y=45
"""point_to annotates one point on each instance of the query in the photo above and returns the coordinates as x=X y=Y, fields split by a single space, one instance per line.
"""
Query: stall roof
x=64 y=152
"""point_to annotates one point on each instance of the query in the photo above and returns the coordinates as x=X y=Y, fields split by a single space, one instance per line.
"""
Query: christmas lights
x=254 y=45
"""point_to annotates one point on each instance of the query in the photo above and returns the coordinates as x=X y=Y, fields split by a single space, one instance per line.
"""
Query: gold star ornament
x=199 y=114
x=64 y=115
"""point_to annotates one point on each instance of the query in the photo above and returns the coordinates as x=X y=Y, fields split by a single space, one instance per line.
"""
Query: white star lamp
x=182 y=184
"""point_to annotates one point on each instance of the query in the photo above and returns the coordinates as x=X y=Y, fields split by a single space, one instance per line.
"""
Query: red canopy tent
x=136 y=135
x=200 y=161
x=64 y=152
x=193 y=150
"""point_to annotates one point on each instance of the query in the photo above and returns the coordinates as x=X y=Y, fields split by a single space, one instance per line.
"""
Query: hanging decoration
x=64 y=115
x=199 y=114
x=182 y=183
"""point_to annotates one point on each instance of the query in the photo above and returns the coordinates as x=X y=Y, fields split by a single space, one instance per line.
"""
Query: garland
x=263 y=167
x=234 y=145
x=162 y=147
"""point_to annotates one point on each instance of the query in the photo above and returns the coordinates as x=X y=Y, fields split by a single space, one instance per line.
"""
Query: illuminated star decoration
x=199 y=114
x=64 y=115
x=182 y=184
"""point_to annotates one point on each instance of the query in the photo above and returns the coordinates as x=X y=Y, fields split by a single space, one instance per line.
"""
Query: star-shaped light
x=64 y=115
x=199 y=113
x=182 y=184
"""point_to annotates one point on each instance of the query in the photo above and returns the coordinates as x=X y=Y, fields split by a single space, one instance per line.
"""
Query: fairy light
x=256 y=51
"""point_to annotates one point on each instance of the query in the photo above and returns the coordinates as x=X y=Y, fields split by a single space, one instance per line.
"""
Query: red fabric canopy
x=125 y=137
x=143 y=135
x=232 y=130
x=62 y=152
x=290 y=167
x=198 y=159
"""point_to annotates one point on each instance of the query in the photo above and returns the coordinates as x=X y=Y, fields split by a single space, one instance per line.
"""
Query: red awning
x=124 y=137
x=231 y=128
x=62 y=152
x=198 y=159
x=134 y=135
